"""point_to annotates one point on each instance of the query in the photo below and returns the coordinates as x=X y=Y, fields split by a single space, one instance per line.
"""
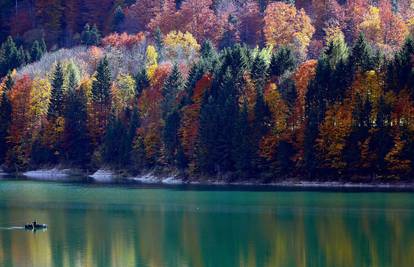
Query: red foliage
x=123 y=40
x=194 y=16
x=138 y=15
x=251 y=24
x=19 y=131
x=190 y=116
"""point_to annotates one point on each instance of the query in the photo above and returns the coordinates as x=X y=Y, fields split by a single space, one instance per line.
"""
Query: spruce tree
x=43 y=46
x=362 y=58
x=116 y=143
x=170 y=137
x=23 y=56
x=315 y=107
x=400 y=74
x=206 y=149
x=283 y=60
x=90 y=36
x=76 y=138
x=118 y=19
x=172 y=86
x=284 y=154
x=207 y=50
x=5 y=121
x=288 y=92
x=10 y=58
x=56 y=98
x=141 y=82
x=259 y=72
x=242 y=153
x=101 y=85
x=36 y=52
x=159 y=43
x=138 y=154
x=381 y=140
x=227 y=111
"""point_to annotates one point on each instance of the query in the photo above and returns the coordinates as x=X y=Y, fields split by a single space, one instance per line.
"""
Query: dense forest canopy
x=238 y=89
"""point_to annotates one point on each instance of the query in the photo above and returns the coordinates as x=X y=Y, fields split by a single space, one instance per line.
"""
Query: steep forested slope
x=246 y=89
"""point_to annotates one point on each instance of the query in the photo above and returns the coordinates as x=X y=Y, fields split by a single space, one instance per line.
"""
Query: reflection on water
x=101 y=226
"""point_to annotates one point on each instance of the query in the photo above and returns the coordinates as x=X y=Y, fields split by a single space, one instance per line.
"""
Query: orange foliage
x=333 y=133
x=249 y=96
x=251 y=23
x=123 y=40
x=403 y=112
x=194 y=16
x=149 y=105
x=19 y=131
x=279 y=114
x=394 y=29
x=190 y=114
x=395 y=161
x=354 y=15
x=303 y=75
x=138 y=15
x=284 y=25
x=96 y=55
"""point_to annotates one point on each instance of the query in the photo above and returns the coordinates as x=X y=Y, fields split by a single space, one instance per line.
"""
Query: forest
x=231 y=89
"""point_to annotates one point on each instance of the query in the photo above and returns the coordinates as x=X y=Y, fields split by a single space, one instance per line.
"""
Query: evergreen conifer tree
x=76 y=138
x=118 y=19
x=56 y=98
x=172 y=86
x=101 y=85
x=36 y=52
x=5 y=119
x=283 y=60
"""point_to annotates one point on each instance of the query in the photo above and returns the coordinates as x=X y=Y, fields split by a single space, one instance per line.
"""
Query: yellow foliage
x=333 y=33
x=371 y=25
x=180 y=45
x=123 y=91
x=394 y=158
x=151 y=60
x=285 y=25
x=278 y=108
x=40 y=97
x=369 y=85
x=333 y=133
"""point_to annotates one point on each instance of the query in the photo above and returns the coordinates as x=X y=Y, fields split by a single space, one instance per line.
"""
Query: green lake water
x=97 y=225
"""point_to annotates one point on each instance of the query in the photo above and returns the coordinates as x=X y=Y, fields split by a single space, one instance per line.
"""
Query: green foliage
x=239 y=113
x=77 y=143
x=141 y=81
x=56 y=99
x=282 y=61
x=171 y=139
x=90 y=36
x=5 y=120
x=172 y=86
x=118 y=19
x=159 y=43
x=362 y=58
x=101 y=85
x=36 y=52
x=10 y=56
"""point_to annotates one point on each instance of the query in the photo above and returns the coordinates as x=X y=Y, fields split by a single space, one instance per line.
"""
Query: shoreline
x=106 y=176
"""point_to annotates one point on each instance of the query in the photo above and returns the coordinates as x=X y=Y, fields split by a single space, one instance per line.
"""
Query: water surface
x=91 y=225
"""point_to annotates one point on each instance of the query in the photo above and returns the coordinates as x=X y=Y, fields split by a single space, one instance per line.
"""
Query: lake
x=102 y=225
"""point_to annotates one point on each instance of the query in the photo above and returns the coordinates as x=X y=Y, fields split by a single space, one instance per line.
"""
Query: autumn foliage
x=234 y=89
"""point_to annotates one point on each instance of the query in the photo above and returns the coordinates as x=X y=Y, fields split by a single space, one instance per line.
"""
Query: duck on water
x=35 y=226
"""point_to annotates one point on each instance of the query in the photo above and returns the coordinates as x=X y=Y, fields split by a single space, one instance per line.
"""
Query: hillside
x=235 y=90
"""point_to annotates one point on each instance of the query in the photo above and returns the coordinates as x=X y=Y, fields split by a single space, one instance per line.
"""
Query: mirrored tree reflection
x=157 y=227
